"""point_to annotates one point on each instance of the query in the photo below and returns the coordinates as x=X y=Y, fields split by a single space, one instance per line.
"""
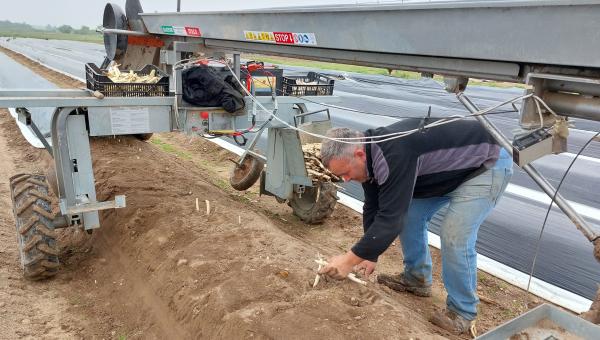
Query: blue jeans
x=467 y=207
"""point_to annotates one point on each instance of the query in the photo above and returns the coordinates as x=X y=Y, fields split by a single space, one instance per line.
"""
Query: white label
x=288 y=38
x=305 y=39
x=179 y=30
x=129 y=120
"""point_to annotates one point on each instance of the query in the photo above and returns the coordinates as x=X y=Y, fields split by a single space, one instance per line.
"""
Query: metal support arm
x=579 y=222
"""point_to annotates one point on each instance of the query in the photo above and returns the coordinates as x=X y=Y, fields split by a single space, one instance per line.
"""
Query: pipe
x=573 y=105
x=124 y=32
x=579 y=222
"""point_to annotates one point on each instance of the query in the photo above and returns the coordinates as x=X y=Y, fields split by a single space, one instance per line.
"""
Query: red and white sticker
x=186 y=31
x=192 y=31
x=285 y=38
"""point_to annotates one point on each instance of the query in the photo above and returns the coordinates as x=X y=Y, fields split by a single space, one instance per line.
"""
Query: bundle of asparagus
x=117 y=76
x=315 y=168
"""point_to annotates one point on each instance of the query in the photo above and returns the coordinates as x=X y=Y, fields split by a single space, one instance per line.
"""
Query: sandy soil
x=160 y=269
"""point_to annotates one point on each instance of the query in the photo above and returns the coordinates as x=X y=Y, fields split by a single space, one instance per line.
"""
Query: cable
x=390 y=136
x=345 y=108
x=539 y=111
x=386 y=137
x=537 y=247
x=402 y=133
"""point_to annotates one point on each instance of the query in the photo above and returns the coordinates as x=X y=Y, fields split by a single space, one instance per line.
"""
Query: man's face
x=353 y=168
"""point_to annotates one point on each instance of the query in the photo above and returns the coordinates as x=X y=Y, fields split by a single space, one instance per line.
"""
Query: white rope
x=394 y=135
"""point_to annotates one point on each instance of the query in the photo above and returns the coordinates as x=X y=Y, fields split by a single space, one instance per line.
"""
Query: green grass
x=222 y=184
x=166 y=147
x=93 y=38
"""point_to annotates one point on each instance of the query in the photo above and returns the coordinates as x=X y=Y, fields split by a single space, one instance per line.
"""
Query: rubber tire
x=36 y=238
x=52 y=180
x=243 y=177
x=316 y=204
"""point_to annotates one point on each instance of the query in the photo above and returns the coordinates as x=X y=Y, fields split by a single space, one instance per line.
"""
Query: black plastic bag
x=203 y=86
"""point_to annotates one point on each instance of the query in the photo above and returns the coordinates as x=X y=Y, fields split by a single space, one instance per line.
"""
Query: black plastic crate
x=97 y=80
x=315 y=85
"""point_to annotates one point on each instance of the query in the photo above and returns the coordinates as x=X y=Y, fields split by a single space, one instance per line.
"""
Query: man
x=456 y=166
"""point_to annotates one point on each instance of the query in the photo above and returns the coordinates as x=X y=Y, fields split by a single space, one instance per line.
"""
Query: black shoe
x=399 y=283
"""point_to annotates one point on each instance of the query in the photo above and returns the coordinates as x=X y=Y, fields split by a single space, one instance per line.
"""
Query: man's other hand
x=365 y=268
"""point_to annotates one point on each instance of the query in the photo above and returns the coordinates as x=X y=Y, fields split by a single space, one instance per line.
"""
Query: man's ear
x=360 y=153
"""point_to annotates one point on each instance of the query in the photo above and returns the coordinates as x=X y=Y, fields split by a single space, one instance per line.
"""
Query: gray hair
x=335 y=150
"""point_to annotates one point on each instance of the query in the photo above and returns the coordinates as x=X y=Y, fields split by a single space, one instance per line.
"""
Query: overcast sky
x=89 y=12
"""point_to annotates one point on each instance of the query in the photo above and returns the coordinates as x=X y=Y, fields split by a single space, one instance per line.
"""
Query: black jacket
x=425 y=164
x=203 y=86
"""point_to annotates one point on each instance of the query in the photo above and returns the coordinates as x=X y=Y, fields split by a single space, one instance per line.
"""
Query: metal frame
x=285 y=160
x=400 y=35
x=527 y=54
x=70 y=145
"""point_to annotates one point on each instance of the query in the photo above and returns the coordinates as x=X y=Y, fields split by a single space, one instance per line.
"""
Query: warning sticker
x=129 y=120
x=286 y=38
x=192 y=31
x=177 y=30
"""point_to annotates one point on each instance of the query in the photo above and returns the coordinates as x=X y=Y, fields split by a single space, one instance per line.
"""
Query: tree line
x=6 y=25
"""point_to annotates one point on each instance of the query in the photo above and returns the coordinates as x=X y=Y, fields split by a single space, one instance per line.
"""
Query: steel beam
x=52 y=101
x=473 y=68
x=461 y=31
x=574 y=105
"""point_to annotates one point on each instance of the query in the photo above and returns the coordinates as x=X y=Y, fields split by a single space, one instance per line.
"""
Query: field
x=160 y=268
x=92 y=38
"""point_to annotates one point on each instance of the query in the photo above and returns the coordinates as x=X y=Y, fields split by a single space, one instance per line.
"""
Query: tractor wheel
x=245 y=175
x=52 y=180
x=315 y=204
x=36 y=237
x=144 y=136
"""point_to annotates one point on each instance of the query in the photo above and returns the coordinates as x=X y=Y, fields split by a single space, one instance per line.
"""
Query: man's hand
x=366 y=267
x=340 y=266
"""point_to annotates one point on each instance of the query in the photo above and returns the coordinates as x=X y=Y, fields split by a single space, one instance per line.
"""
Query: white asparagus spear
x=350 y=276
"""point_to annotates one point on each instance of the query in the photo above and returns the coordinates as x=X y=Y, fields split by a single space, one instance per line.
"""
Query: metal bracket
x=567 y=95
x=24 y=117
x=456 y=84
x=300 y=189
x=302 y=115
x=118 y=202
